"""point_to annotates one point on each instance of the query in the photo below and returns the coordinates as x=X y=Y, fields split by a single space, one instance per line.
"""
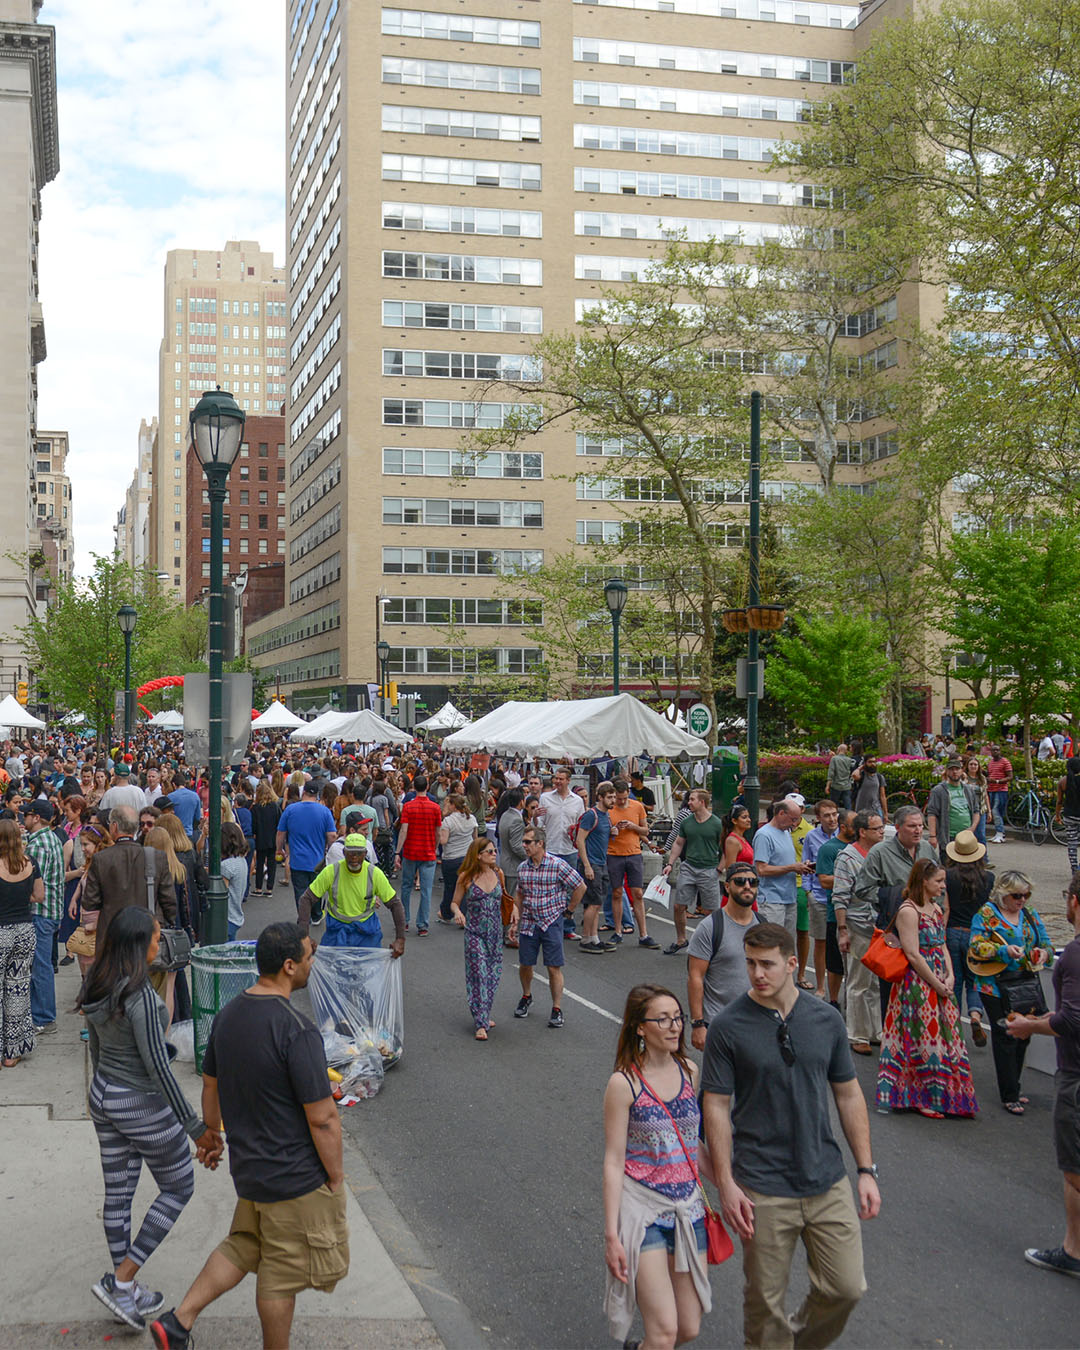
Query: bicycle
x=908 y=798
x=1026 y=812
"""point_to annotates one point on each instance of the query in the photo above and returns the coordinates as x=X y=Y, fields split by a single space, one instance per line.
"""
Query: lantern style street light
x=615 y=593
x=382 y=651
x=127 y=617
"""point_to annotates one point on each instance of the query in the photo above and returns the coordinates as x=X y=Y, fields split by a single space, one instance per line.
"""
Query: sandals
x=1013 y=1108
x=932 y=1115
x=808 y=985
x=481 y=1034
x=628 y=930
x=606 y=928
x=861 y=1048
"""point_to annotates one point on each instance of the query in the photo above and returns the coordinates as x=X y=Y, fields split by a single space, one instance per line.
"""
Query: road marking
x=595 y=1007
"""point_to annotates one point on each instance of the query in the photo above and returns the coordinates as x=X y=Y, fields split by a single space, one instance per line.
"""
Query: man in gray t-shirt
x=717 y=970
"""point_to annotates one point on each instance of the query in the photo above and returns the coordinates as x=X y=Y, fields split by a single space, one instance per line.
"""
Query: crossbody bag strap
x=686 y=1152
x=150 y=869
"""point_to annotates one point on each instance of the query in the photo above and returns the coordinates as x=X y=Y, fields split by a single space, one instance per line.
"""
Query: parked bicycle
x=1026 y=812
x=907 y=798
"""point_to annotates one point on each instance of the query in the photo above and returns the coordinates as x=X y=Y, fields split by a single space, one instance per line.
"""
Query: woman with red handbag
x=924 y=1064
x=655 y=1209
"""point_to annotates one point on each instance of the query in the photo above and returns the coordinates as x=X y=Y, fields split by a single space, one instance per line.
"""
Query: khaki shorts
x=818 y=915
x=291 y=1245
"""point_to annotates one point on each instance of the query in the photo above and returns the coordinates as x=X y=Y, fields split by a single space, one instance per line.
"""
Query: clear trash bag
x=182 y=1035
x=356 y=995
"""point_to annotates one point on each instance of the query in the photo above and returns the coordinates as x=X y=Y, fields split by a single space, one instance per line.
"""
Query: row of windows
x=321 y=259
x=511 y=515
x=438 y=412
x=307 y=29
x=460 y=124
x=436 y=610
x=694 y=187
x=463 y=661
x=316 y=533
x=460 y=365
x=463 y=267
x=615 y=52
x=326 y=296
x=316 y=141
x=309 y=74
x=725 y=534
x=325 y=481
x=316 y=228
x=316 y=402
x=459 y=75
x=329 y=431
x=653 y=141
x=322 y=574
x=320 y=89
x=424 y=463
x=612 y=225
x=317 y=666
x=710 y=103
x=460 y=219
x=468 y=318
x=460 y=28
x=320 y=620
x=315 y=360
x=807 y=12
x=464 y=172
x=666 y=667
x=461 y=562
x=870 y=320
x=316 y=186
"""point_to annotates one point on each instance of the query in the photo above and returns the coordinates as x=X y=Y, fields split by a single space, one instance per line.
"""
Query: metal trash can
x=218 y=974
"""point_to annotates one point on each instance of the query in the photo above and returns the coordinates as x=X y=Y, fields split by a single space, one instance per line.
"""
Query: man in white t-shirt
x=123 y=791
x=559 y=811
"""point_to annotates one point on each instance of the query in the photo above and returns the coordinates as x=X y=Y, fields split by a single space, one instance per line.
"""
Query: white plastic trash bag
x=356 y=995
x=658 y=892
x=182 y=1035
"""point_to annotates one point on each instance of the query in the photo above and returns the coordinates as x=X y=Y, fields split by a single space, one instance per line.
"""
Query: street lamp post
x=382 y=650
x=615 y=593
x=127 y=618
x=217 y=427
x=752 y=784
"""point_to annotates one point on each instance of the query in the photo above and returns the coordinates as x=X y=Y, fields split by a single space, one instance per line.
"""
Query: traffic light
x=391 y=693
x=22 y=693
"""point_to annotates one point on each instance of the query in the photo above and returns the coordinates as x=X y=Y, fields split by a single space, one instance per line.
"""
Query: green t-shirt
x=352 y=889
x=826 y=867
x=703 y=840
x=959 y=810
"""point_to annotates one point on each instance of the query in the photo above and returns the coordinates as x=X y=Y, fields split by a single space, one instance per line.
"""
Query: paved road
x=492 y=1153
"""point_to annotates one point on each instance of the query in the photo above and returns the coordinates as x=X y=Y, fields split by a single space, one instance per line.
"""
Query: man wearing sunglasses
x=716 y=960
x=772 y=1058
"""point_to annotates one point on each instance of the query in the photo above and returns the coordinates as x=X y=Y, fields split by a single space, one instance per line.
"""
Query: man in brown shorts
x=265 y=1083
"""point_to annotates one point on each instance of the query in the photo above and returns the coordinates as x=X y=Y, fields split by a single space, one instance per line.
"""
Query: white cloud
x=171 y=121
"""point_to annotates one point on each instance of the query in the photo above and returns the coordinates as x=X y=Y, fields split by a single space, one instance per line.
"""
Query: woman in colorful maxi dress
x=477 y=907
x=924 y=1065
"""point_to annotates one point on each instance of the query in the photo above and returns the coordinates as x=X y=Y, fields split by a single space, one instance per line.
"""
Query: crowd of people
x=101 y=860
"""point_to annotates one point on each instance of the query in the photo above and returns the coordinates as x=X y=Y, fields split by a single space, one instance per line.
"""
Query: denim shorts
x=550 y=939
x=658 y=1236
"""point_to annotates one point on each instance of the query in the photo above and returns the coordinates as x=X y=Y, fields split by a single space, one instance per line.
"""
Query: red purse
x=718 y=1244
x=885 y=957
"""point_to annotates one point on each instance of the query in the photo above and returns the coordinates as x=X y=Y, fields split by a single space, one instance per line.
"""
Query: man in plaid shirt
x=46 y=850
x=546 y=888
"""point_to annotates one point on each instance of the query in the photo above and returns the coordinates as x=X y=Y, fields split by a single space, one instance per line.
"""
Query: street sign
x=742 y=679
x=699 y=720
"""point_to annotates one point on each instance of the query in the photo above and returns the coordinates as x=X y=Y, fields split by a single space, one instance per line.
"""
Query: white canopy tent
x=448 y=718
x=168 y=720
x=582 y=728
x=14 y=715
x=364 y=726
x=277 y=718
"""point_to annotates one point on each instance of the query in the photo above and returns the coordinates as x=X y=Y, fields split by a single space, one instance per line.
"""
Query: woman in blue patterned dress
x=476 y=906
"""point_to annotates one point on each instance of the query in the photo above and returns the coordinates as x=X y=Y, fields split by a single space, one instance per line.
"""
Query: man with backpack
x=716 y=958
x=351 y=891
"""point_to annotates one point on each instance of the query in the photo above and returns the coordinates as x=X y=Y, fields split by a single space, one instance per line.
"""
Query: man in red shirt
x=998 y=773
x=417 y=838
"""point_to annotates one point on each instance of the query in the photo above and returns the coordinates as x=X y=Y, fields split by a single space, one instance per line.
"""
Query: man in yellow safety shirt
x=351 y=891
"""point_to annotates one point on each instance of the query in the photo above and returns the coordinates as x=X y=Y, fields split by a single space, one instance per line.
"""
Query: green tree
x=1013 y=605
x=831 y=675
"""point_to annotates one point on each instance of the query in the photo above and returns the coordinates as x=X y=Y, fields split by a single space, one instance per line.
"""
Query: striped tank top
x=654 y=1155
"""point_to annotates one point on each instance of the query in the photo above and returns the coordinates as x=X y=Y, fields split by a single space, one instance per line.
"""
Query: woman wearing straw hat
x=968 y=883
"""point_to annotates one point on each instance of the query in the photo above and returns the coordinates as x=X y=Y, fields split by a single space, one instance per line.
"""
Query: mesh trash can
x=218 y=974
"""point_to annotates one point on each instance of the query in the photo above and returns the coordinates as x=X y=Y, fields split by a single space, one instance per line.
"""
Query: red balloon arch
x=167 y=682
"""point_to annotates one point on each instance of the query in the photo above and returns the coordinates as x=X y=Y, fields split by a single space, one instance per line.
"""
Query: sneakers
x=648 y=942
x=168 y=1334
x=676 y=947
x=524 y=1004
x=597 y=948
x=120 y=1302
x=46 y=1029
x=1054 y=1258
x=148 y=1301
x=556 y=1018
x=998 y=839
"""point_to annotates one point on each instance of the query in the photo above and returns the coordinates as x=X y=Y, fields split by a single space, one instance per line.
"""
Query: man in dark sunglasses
x=717 y=961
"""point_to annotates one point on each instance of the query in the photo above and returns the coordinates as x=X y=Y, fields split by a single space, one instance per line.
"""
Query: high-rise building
x=54 y=515
x=29 y=158
x=525 y=154
x=225 y=325
x=133 y=519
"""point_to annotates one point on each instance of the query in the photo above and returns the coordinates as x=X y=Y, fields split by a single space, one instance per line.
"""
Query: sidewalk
x=54 y=1249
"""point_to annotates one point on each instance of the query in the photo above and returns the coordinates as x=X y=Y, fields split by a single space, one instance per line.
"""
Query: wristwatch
x=698 y=1022
x=870 y=1171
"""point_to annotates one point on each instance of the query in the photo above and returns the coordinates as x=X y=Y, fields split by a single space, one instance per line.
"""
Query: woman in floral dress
x=924 y=1066
x=477 y=907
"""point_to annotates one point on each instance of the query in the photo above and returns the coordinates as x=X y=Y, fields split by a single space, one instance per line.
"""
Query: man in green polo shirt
x=698 y=843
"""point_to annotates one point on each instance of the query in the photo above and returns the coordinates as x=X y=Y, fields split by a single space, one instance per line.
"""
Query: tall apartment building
x=505 y=138
x=254 y=514
x=29 y=158
x=54 y=513
x=133 y=518
x=225 y=324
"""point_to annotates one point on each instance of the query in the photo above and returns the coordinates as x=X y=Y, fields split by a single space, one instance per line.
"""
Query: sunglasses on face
x=745 y=879
x=1019 y=895
x=783 y=1040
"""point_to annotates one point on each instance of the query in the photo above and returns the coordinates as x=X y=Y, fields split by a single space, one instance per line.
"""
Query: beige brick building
x=458 y=181
x=54 y=514
x=133 y=518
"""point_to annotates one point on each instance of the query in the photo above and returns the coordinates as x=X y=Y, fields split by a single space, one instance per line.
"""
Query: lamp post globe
x=615 y=593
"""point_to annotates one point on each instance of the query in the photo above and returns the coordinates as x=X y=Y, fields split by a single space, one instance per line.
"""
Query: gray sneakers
x=120 y=1302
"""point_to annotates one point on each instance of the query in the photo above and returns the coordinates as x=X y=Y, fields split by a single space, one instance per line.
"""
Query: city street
x=492 y=1153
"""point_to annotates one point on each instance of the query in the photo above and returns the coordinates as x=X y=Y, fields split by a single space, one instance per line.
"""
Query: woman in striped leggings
x=137 y=1107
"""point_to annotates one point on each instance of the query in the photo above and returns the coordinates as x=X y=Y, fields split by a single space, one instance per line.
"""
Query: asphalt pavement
x=492 y=1153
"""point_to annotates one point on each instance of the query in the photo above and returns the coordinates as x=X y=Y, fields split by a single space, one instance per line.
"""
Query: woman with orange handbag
x=924 y=1065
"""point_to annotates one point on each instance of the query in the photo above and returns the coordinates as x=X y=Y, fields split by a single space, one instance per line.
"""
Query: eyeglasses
x=666 y=1023
x=783 y=1040
x=1019 y=895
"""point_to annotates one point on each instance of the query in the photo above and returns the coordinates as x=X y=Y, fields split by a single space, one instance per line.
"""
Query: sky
x=172 y=128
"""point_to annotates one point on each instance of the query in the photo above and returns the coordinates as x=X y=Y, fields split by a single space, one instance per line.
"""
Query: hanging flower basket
x=766 y=617
x=735 y=620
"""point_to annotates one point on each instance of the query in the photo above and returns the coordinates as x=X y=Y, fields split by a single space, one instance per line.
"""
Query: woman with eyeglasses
x=924 y=1065
x=1008 y=943
x=476 y=906
x=653 y=1158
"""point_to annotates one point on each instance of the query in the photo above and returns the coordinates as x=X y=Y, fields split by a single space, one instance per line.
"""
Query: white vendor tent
x=363 y=726
x=582 y=728
x=168 y=719
x=13 y=714
x=448 y=718
x=277 y=717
